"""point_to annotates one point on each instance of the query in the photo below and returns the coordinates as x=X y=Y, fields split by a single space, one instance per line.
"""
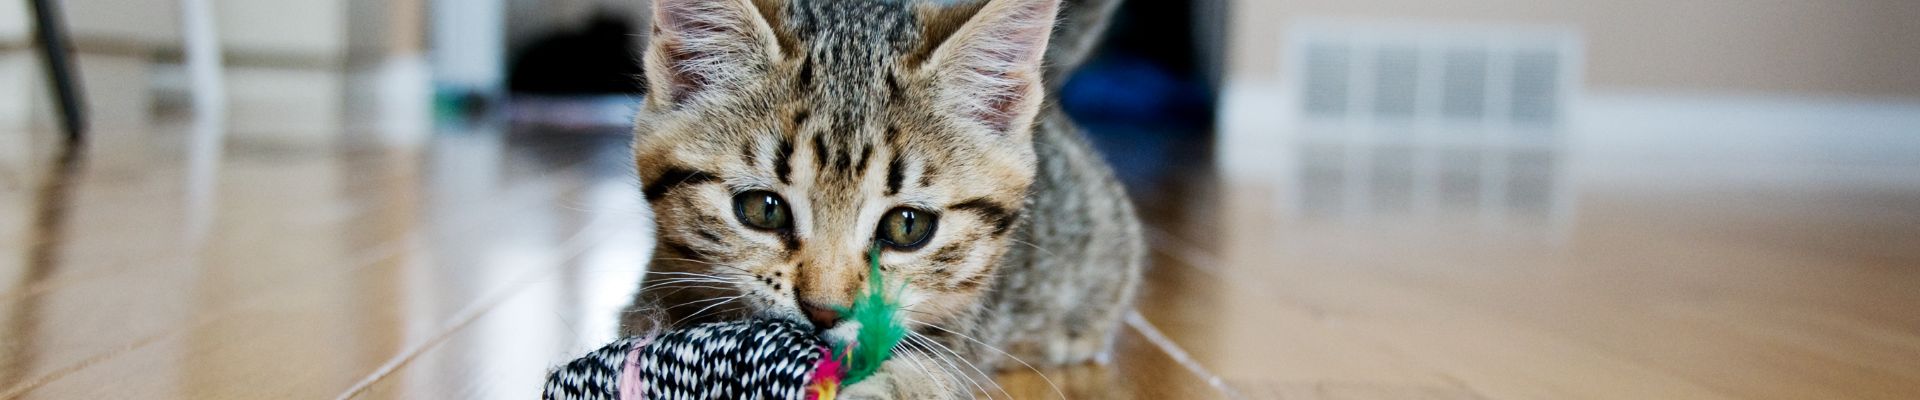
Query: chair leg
x=52 y=32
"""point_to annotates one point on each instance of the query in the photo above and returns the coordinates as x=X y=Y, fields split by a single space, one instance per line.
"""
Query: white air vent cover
x=1472 y=74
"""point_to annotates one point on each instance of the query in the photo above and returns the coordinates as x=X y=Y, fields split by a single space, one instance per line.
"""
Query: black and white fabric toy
x=752 y=359
x=758 y=359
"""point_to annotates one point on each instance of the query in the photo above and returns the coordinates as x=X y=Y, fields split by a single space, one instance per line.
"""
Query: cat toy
x=764 y=359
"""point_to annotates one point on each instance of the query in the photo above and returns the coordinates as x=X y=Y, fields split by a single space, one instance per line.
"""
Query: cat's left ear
x=989 y=69
x=700 y=47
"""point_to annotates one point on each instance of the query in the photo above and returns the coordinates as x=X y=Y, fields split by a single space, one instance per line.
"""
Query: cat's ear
x=702 y=46
x=989 y=69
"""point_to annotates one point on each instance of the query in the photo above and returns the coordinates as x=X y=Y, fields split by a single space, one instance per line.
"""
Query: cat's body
x=1070 y=278
x=784 y=139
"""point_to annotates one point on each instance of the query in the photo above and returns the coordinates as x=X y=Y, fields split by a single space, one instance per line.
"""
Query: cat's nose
x=823 y=317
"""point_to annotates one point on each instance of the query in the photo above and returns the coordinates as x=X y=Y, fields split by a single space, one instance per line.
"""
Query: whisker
x=651 y=285
x=701 y=301
x=684 y=288
x=685 y=260
x=691 y=278
x=684 y=281
x=696 y=274
x=694 y=286
x=696 y=314
x=688 y=280
x=956 y=357
x=696 y=317
x=667 y=281
x=1036 y=371
x=705 y=262
x=708 y=303
x=922 y=366
x=952 y=369
x=933 y=357
x=1035 y=247
x=970 y=364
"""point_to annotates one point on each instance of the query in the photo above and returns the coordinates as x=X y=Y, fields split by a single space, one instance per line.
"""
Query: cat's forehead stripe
x=675 y=177
x=783 y=161
x=1000 y=215
x=894 y=175
x=866 y=151
x=820 y=154
x=750 y=153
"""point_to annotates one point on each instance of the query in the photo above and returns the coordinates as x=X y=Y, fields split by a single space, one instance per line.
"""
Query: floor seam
x=1165 y=344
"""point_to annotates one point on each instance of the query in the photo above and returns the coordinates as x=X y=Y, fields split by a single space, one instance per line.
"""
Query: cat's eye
x=762 y=209
x=906 y=228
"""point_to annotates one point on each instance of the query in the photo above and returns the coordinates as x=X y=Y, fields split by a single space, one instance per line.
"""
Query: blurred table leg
x=66 y=84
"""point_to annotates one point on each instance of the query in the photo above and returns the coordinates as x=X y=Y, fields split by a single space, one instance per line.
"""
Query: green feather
x=876 y=311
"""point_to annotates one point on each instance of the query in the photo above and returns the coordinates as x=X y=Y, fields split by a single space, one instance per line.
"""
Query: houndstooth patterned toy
x=723 y=360
x=593 y=376
x=755 y=359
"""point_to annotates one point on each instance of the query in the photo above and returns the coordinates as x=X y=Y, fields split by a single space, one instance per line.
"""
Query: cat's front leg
x=911 y=375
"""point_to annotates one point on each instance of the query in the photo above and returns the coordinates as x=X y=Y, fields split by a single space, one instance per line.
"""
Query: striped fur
x=850 y=108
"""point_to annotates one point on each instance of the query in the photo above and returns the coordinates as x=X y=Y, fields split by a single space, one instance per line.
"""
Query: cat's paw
x=1075 y=350
x=1061 y=348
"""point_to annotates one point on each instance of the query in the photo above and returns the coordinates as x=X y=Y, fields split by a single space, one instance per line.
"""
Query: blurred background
x=1345 y=199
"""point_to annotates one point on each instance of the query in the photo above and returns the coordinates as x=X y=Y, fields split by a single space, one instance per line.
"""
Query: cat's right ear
x=699 y=47
x=989 y=69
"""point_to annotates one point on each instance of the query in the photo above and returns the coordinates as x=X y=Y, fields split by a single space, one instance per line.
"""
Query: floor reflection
x=42 y=226
x=1414 y=173
x=1399 y=258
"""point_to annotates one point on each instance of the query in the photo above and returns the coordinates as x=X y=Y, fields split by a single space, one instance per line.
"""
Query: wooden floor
x=465 y=267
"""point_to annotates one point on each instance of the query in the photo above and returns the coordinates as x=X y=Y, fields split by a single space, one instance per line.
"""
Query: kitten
x=781 y=140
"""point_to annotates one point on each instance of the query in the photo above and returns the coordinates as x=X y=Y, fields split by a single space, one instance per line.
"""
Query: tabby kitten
x=782 y=140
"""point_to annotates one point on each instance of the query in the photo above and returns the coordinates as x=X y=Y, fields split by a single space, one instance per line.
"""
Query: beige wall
x=122 y=25
x=1857 y=47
